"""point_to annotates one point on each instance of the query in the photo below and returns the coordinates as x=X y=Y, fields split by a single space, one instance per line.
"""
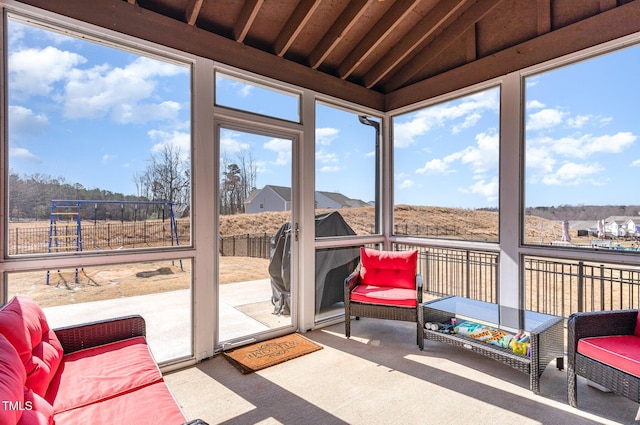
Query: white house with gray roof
x=278 y=198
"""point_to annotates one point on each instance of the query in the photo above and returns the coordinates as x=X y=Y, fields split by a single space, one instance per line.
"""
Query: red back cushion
x=396 y=269
x=636 y=332
x=12 y=378
x=23 y=323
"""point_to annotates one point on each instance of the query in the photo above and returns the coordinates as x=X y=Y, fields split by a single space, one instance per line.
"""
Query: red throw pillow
x=396 y=269
x=23 y=323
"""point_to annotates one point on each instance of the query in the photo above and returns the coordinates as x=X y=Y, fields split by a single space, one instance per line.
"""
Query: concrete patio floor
x=380 y=376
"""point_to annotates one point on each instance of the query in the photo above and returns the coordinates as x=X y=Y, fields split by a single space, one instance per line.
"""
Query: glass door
x=257 y=236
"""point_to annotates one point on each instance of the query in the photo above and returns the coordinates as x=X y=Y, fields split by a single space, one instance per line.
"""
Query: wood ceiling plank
x=300 y=16
x=610 y=25
x=428 y=26
x=193 y=10
x=440 y=43
x=246 y=18
x=143 y=24
x=378 y=33
x=341 y=26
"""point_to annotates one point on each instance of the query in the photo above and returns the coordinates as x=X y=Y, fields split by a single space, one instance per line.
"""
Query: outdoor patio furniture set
x=603 y=347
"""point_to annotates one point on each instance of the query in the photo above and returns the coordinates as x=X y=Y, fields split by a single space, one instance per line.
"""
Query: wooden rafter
x=294 y=25
x=193 y=10
x=378 y=33
x=429 y=26
x=245 y=19
x=340 y=27
x=440 y=43
x=544 y=16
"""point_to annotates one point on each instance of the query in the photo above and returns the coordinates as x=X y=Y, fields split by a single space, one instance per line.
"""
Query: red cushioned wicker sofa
x=97 y=373
x=604 y=347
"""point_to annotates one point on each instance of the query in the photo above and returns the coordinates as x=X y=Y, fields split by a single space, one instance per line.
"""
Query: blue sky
x=91 y=113
x=95 y=115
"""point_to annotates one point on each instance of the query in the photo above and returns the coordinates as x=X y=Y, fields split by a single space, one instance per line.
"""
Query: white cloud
x=22 y=153
x=282 y=147
x=486 y=188
x=546 y=118
x=323 y=156
x=635 y=163
x=326 y=135
x=535 y=104
x=579 y=121
x=406 y=184
x=330 y=169
x=435 y=166
x=484 y=156
x=571 y=173
x=107 y=157
x=470 y=110
x=178 y=141
x=34 y=71
x=121 y=93
x=587 y=145
x=25 y=121
x=229 y=144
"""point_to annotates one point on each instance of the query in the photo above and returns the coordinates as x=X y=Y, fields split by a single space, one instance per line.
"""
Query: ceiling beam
x=294 y=25
x=340 y=27
x=439 y=44
x=376 y=35
x=610 y=25
x=193 y=10
x=429 y=26
x=544 y=16
x=245 y=19
x=143 y=24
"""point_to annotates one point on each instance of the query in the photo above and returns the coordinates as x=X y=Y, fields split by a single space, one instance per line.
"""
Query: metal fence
x=256 y=246
x=98 y=236
x=557 y=287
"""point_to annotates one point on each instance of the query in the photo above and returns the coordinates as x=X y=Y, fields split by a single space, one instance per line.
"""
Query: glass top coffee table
x=546 y=334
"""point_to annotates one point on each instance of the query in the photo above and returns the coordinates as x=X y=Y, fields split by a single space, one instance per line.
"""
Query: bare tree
x=167 y=177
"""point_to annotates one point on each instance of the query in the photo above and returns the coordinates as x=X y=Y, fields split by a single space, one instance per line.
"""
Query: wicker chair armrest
x=86 y=335
x=598 y=323
x=352 y=281
x=419 y=287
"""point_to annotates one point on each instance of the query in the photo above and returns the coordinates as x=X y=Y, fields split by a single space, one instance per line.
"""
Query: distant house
x=278 y=198
x=269 y=198
x=621 y=226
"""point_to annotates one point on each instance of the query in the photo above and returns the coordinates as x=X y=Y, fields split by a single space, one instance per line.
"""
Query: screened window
x=99 y=144
x=244 y=95
x=582 y=153
x=446 y=169
x=347 y=145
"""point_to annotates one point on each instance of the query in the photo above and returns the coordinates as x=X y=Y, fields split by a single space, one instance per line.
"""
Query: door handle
x=296 y=231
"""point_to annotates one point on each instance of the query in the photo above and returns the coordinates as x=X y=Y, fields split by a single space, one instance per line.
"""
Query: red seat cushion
x=371 y=294
x=151 y=405
x=619 y=351
x=23 y=323
x=12 y=379
x=37 y=410
x=388 y=268
x=97 y=373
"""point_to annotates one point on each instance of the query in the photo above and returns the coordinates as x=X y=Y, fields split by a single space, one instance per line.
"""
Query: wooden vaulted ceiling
x=382 y=54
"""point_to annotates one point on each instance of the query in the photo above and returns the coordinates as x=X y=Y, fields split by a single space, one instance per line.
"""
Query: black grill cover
x=332 y=265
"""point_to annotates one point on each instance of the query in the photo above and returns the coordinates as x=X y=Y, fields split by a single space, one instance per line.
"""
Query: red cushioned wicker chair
x=604 y=347
x=386 y=286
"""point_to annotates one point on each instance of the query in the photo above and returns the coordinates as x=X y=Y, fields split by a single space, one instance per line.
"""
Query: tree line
x=167 y=178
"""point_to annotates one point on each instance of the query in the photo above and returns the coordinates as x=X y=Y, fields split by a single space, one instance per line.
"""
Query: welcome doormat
x=268 y=353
